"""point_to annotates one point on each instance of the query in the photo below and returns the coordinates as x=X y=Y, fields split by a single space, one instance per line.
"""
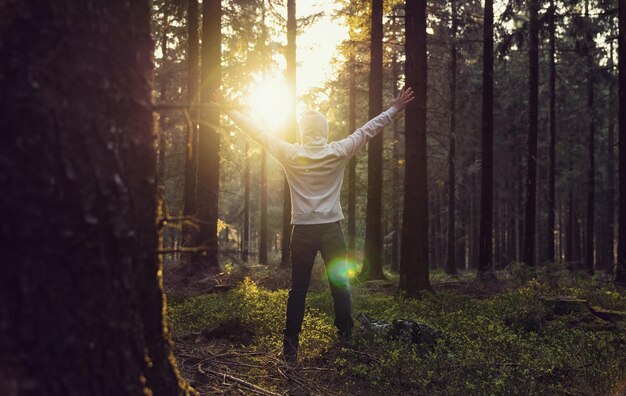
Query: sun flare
x=270 y=101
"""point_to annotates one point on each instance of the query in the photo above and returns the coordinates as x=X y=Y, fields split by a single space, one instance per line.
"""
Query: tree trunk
x=245 y=239
x=531 y=177
x=209 y=140
x=352 y=163
x=569 y=239
x=550 y=254
x=519 y=248
x=163 y=98
x=263 y=229
x=395 y=183
x=610 y=170
x=473 y=229
x=590 y=215
x=372 y=256
x=451 y=259
x=485 y=253
x=292 y=26
x=620 y=271
x=80 y=278
x=414 y=256
x=189 y=230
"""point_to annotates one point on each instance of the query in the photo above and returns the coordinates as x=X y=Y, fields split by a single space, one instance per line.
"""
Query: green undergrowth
x=511 y=343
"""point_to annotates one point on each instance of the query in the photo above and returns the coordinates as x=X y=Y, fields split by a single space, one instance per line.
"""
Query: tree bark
x=163 y=98
x=485 y=253
x=414 y=256
x=352 y=163
x=245 y=239
x=395 y=182
x=84 y=307
x=610 y=166
x=263 y=229
x=533 y=97
x=590 y=215
x=291 y=129
x=571 y=218
x=620 y=271
x=189 y=230
x=372 y=256
x=451 y=256
x=209 y=140
x=550 y=253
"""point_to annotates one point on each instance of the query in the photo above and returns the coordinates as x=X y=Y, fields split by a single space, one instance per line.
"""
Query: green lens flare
x=341 y=270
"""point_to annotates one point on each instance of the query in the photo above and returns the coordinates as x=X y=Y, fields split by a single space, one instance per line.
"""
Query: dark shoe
x=345 y=339
x=289 y=355
x=289 y=360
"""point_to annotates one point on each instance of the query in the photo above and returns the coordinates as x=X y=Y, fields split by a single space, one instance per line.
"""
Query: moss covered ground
x=546 y=333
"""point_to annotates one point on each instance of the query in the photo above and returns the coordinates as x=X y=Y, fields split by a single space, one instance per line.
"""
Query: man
x=314 y=170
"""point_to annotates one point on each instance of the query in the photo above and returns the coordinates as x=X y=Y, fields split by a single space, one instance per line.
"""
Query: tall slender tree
x=163 y=98
x=451 y=256
x=245 y=235
x=263 y=240
x=550 y=251
x=590 y=215
x=292 y=31
x=189 y=230
x=533 y=109
x=610 y=166
x=414 y=247
x=209 y=140
x=485 y=253
x=352 y=164
x=620 y=271
x=84 y=311
x=263 y=231
x=395 y=175
x=372 y=257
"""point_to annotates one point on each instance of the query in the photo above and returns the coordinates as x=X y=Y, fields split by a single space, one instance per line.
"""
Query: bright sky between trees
x=316 y=49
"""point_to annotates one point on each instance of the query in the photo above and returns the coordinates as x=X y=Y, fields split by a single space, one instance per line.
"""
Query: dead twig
x=239 y=381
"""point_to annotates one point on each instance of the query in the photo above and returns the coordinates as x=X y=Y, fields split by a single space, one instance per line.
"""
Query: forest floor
x=545 y=332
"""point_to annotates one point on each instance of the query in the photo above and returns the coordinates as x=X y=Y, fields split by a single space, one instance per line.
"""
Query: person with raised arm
x=314 y=169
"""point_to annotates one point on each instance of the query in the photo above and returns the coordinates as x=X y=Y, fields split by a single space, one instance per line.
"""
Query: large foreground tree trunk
x=414 y=246
x=620 y=272
x=372 y=256
x=83 y=307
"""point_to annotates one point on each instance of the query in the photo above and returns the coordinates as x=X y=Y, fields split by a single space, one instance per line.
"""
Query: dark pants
x=306 y=241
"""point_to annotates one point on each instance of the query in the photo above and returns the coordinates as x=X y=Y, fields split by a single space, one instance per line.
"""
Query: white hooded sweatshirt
x=314 y=167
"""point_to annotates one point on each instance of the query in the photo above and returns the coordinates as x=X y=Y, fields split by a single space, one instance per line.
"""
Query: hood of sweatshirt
x=313 y=128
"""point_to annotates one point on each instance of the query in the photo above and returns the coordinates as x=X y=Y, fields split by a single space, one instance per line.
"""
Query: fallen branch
x=239 y=381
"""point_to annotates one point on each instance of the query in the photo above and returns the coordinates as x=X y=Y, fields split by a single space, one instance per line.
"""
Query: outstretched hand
x=404 y=98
